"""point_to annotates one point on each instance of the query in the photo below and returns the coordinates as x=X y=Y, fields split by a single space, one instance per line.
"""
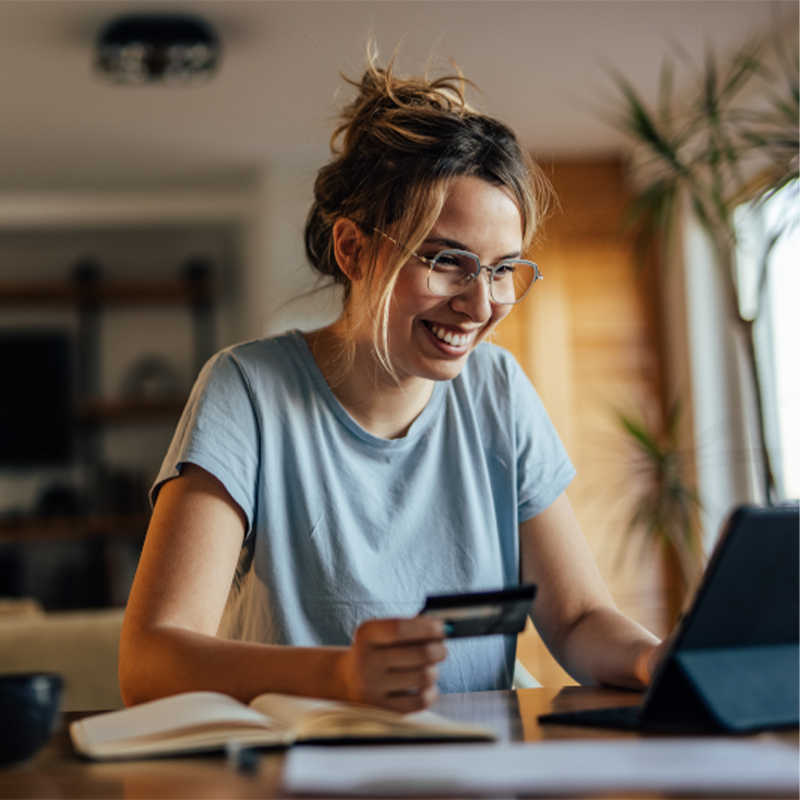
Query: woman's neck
x=380 y=403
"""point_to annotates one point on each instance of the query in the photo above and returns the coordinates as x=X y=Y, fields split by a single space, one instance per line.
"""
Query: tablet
x=732 y=662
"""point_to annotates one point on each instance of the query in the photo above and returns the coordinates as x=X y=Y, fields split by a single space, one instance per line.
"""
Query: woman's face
x=479 y=217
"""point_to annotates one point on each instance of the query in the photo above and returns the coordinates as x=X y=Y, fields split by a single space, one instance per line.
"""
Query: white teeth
x=454 y=339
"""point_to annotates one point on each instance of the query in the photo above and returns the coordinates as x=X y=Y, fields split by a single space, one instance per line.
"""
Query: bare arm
x=168 y=642
x=574 y=612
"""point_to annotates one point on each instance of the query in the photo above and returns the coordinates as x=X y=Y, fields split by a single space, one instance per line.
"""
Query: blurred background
x=145 y=224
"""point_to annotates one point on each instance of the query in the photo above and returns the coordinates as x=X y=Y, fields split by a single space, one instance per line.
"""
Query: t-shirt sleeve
x=544 y=469
x=219 y=432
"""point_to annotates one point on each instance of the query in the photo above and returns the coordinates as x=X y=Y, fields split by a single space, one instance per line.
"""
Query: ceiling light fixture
x=171 y=49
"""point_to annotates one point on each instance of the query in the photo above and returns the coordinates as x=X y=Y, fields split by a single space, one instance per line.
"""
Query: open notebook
x=732 y=662
x=195 y=722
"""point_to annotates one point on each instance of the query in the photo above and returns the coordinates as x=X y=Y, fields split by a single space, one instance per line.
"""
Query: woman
x=321 y=484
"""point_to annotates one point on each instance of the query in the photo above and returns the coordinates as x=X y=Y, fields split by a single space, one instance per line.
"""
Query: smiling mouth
x=448 y=337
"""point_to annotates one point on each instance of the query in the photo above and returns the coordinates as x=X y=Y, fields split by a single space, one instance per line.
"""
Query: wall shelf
x=108 y=292
x=99 y=526
x=130 y=410
x=109 y=267
x=114 y=504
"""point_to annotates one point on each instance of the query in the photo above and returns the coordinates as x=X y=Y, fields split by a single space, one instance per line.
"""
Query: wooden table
x=57 y=773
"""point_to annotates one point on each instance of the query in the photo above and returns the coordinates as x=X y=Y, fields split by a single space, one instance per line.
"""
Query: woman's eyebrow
x=452 y=244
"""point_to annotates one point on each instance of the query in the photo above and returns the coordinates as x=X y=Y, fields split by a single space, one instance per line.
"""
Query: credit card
x=482 y=613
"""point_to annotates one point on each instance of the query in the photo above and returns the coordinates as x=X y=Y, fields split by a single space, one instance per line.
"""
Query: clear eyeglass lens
x=512 y=280
x=451 y=271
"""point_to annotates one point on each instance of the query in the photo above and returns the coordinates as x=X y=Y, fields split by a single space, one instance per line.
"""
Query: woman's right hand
x=392 y=663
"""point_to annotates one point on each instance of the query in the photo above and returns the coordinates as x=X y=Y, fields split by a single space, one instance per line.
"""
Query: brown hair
x=398 y=146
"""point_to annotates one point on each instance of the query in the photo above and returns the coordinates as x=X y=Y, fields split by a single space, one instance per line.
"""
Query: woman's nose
x=476 y=301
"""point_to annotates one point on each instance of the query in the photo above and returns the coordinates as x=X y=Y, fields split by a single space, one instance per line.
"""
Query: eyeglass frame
x=492 y=270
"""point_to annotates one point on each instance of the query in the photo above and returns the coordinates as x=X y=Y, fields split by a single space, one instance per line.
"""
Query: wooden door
x=586 y=338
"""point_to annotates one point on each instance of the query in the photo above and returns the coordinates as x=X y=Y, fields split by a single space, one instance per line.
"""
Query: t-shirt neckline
x=417 y=428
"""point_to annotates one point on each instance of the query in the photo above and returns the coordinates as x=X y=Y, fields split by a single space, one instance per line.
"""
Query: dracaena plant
x=666 y=506
x=734 y=138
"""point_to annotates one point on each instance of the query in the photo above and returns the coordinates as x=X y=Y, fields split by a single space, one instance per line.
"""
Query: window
x=774 y=306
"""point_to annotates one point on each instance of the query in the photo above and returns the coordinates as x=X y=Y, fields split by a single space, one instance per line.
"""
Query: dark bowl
x=29 y=713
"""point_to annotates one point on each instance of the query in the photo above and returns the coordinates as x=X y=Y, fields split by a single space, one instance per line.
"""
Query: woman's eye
x=447 y=260
x=505 y=270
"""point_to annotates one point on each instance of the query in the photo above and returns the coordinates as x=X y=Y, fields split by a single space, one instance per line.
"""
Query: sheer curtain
x=769 y=290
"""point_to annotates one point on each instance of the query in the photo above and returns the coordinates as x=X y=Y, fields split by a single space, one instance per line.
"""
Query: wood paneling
x=585 y=337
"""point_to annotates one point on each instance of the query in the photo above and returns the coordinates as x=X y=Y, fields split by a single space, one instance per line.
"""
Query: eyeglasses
x=452 y=271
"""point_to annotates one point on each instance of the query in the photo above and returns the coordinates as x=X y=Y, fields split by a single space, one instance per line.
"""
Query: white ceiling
x=543 y=66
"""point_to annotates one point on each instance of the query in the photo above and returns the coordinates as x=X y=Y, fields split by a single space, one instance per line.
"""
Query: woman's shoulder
x=258 y=354
x=271 y=364
x=491 y=362
x=255 y=350
x=493 y=378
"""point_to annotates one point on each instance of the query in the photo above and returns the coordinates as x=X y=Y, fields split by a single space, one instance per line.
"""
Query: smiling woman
x=321 y=484
x=428 y=336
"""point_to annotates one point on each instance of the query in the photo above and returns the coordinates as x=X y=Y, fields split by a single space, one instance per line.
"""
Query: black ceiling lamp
x=171 y=49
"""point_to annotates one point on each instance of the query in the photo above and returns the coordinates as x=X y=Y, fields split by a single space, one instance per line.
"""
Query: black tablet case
x=733 y=663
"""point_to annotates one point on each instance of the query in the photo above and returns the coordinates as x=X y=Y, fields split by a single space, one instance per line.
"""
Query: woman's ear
x=348 y=244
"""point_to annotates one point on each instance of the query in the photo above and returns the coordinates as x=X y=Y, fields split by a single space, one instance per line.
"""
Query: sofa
x=81 y=646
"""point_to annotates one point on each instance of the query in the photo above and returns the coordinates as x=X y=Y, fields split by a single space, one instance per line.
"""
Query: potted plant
x=665 y=509
x=734 y=139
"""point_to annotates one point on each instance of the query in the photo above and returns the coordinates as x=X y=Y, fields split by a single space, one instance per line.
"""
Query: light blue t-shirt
x=344 y=526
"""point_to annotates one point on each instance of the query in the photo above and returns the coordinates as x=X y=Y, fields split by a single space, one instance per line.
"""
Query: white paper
x=707 y=765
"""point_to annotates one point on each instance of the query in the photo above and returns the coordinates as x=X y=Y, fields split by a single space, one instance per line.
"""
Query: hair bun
x=387 y=102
